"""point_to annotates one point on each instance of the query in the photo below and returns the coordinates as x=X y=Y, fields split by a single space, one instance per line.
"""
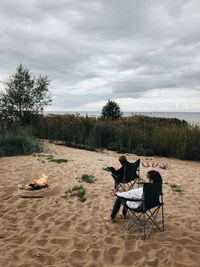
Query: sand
x=53 y=231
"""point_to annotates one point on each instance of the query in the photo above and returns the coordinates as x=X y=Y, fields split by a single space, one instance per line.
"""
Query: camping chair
x=145 y=217
x=131 y=176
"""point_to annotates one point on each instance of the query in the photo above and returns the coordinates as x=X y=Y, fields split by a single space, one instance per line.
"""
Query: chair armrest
x=132 y=199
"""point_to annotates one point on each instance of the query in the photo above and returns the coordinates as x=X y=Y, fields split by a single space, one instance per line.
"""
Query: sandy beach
x=55 y=231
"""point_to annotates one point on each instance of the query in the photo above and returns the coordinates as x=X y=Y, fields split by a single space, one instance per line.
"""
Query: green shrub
x=176 y=188
x=58 y=161
x=87 y=178
x=77 y=191
x=15 y=144
x=49 y=157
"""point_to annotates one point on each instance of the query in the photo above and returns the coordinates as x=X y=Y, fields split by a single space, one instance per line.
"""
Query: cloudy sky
x=144 y=54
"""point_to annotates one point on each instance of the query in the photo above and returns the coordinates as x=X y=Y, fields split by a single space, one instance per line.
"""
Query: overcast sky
x=144 y=54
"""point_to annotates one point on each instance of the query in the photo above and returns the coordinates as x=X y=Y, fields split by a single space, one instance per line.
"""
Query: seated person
x=153 y=176
x=119 y=174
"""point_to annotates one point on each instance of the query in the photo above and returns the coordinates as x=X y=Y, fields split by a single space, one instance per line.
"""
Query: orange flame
x=41 y=181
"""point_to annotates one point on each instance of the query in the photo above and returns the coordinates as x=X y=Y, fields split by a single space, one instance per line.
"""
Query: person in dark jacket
x=122 y=173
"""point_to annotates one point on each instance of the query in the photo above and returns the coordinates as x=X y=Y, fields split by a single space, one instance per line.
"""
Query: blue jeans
x=117 y=206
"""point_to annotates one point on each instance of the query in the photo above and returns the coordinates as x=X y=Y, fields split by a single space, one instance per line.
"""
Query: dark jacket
x=128 y=172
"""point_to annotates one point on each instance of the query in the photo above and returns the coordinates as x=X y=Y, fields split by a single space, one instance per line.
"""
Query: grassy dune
x=140 y=135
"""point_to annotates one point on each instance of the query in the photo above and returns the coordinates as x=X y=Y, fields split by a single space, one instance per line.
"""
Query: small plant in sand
x=77 y=191
x=176 y=188
x=40 y=155
x=58 y=160
x=87 y=178
x=51 y=159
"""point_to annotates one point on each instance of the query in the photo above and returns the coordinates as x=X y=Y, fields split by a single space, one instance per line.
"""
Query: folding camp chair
x=146 y=216
x=131 y=175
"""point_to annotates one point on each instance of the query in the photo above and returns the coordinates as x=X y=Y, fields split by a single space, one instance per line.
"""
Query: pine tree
x=111 y=110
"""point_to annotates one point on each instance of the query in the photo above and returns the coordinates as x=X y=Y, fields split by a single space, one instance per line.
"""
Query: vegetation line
x=22 y=103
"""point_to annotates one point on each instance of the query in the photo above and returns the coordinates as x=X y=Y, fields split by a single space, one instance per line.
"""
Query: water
x=190 y=117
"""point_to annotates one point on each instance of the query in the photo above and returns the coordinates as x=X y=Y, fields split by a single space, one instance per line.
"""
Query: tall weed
x=17 y=144
x=136 y=134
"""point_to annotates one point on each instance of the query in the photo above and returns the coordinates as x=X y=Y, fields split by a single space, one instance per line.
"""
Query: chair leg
x=134 y=221
x=144 y=226
x=149 y=220
x=163 y=225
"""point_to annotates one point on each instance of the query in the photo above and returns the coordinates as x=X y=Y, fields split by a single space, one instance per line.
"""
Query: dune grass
x=176 y=188
x=12 y=144
x=78 y=191
x=50 y=158
x=58 y=161
x=141 y=135
x=87 y=178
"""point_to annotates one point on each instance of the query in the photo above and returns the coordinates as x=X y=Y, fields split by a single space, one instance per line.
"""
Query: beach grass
x=58 y=161
x=141 y=135
x=12 y=144
x=77 y=190
x=176 y=188
x=87 y=178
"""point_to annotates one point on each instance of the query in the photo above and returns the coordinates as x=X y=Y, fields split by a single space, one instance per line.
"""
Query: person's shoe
x=109 y=219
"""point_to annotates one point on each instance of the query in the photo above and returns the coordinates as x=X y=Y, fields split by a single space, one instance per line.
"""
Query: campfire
x=36 y=184
x=40 y=183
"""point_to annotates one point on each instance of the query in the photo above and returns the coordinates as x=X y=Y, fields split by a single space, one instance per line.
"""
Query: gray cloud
x=95 y=50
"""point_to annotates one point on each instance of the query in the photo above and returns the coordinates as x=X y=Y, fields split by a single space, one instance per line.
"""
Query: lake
x=190 y=117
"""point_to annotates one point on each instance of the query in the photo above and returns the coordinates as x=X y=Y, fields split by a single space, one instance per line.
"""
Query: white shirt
x=133 y=193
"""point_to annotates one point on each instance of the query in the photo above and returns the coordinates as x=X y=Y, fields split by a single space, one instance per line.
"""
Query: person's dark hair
x=122 y=159
x=155 y=176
